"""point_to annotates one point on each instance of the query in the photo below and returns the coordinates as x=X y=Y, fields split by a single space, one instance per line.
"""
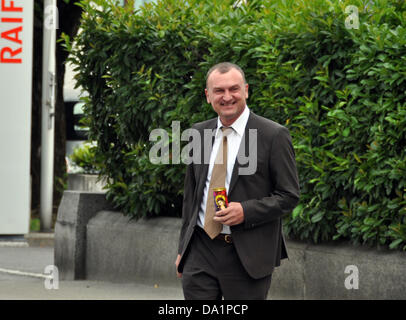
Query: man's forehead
x=230 y=78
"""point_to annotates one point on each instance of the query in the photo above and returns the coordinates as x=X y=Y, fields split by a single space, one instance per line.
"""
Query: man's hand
x=230 y=216
x=179 y=275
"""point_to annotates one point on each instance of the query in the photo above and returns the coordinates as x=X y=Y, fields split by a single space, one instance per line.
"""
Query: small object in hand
x=220 y=198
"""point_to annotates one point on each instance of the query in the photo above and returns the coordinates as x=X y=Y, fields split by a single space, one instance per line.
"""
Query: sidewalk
x=22 y=277
x=28 y=288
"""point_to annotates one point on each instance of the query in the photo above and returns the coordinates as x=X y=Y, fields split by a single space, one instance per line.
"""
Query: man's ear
x=246 y=91
x=207 y=95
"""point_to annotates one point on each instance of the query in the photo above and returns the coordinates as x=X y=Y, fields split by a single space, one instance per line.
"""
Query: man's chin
x=228 y=115
x=228 y=111
x=228 y=118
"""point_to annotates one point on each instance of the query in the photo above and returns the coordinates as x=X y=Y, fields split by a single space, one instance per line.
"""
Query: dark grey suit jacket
x=266 y=196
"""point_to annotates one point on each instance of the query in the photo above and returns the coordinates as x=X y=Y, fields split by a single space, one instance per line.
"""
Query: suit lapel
x=203 y=168
x=242 y=151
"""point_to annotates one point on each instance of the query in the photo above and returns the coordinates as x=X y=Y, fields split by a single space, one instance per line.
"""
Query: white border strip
x=26 y=274
x=13 y=244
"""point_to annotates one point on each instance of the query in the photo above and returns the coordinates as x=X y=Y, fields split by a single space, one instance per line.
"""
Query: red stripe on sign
x=16 y=20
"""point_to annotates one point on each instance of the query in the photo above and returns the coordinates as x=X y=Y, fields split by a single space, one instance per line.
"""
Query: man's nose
x=227 y=95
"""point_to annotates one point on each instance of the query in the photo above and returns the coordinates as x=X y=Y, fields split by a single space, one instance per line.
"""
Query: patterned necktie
x=217 y=180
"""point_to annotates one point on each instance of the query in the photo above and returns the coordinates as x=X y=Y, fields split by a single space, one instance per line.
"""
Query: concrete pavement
x=22 y=277
x=13 y=287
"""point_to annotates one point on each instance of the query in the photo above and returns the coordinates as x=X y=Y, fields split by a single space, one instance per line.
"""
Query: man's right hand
x=179 y=275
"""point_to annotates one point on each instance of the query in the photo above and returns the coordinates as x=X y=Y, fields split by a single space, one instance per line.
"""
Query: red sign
x=16 y=42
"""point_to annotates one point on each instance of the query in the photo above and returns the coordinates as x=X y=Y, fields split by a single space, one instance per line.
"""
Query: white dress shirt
x=233 y=144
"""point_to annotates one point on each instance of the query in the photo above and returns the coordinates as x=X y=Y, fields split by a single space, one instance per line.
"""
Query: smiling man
x=232 y=253
x=227 y=92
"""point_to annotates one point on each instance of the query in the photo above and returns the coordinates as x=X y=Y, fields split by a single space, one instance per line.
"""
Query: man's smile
x=227 y=104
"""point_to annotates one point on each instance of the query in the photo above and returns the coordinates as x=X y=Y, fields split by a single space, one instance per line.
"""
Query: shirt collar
x=239 y=124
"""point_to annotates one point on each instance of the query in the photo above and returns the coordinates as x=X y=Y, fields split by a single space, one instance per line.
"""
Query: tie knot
x=226 y=130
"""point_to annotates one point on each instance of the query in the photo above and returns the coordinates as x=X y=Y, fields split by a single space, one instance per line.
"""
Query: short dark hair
x=224 y=67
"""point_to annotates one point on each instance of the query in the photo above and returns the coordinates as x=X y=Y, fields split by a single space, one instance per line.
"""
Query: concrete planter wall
x=319 y=272
x=96 y=243
x=120 y=249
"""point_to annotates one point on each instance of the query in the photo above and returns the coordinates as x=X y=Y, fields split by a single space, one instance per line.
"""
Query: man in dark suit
x=232 y=253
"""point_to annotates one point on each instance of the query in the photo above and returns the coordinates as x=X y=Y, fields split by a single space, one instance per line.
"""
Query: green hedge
x=340 y=91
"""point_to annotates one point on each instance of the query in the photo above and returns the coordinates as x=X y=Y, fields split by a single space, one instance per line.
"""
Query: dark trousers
x=213 y=270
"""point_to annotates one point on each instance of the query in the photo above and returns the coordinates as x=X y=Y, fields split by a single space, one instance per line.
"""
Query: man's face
x=227 y=93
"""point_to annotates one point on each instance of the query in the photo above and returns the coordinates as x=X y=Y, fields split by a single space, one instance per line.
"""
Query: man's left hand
x=230 y=216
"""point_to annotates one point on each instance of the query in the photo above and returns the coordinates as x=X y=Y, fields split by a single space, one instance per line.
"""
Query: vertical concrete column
x=74 y=212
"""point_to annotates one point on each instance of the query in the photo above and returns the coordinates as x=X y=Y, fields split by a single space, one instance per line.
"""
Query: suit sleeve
x=189 y=187
x=284 y=177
